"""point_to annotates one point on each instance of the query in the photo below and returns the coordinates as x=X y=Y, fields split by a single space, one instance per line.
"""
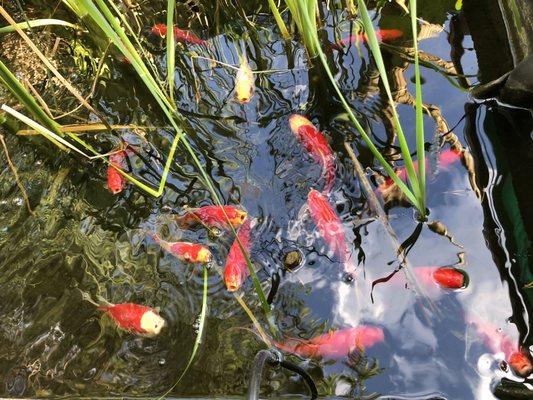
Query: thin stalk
x=376 y=52
x=171 y=50
x=279 y=20
x=420 y=139
x=359 y=127
x=198 y=340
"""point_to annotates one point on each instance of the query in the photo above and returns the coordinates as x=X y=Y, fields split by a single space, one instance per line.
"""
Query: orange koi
x=335 y=344
x=330 y=227
x=236 y=269
x=179 y=34
x=135 y=318
x=446 y=158
x=445 y=277
x=383 y=35
x=519 y=359
x=116 y=182
x=213 y=217
x=317 y=145
x=185 y=251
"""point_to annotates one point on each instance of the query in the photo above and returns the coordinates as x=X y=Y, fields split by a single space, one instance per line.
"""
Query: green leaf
x=38 y=22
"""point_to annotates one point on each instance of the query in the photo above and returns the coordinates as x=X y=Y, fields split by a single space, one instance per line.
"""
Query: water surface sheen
x=84 y=239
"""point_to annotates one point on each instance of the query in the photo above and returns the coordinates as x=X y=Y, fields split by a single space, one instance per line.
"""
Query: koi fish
x=116 y=182
x=445 y=158
x=135 y=318
x=179 y=34
x=518 y=358
x=213 y=217
x=185 y=251
x=244 y=83
x=236 y=269
x=445 y=277
x=383 y=35
x=335 y=344
x=330 y=227
x=317 y=145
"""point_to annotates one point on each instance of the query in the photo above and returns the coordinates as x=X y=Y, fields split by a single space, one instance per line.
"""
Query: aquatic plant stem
x=171 y=49
x=358 y=126
x=420 y=139
x=279 y=20
x=198 y=340
x=37 y=23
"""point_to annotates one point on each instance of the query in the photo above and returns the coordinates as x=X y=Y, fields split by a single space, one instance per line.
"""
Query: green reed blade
x=412 y=198
x=38 y=22
x=171 y=49
x=420 y=138
x=198 y=340
x=376 y=53
x=279 y=20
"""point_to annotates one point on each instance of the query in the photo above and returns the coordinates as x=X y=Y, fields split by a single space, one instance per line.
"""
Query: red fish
x=115 y=180
x=236 y=269
x=518 y=358
x=317 y=145
x=330 y=227
x=335 y=344
x=185 y=251
x=446 y=158
x=383 y=35
x=135 y=318
x=445 y=277
x=213 y=217
x=179 y=34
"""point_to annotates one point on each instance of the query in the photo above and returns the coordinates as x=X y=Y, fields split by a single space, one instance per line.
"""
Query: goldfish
x=316 y=144
x=213 y=217
x=135 y=318
x=335 y=344
x=445 y=158
x=445 y=277
x=179 y=34
x=244 y=82
x=116 y=182
x=329 y=226
x=236 y=269
x=518 y=358
x=186 y=251
x=383 y=35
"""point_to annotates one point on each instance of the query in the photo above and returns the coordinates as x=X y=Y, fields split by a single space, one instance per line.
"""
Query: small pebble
x=292 y=260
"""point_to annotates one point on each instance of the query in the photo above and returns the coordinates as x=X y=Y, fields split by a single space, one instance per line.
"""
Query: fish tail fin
x=87 y=297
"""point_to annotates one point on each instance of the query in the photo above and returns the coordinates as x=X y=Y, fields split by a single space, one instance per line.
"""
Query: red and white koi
x=317 y=145
x=116 y=182
x=179 y=34
x=185 y=251
x=135 y=318
x=335 y=344
x=213 y=217
x=519 y=359
x=236 y=269
x=330 y=227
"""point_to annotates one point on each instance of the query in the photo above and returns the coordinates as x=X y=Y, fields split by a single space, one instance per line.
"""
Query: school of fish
x=146 y=321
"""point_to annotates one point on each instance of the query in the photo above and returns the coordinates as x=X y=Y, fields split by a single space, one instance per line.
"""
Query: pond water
x=85 y=239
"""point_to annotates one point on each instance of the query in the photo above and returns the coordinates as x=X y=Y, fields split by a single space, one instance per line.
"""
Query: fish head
x=204 y=255
x=238 y=217
x=152 y=323
x=296 y=121
x=244 y=84
x=159 y=29
x=233 y=280
x=521 y=363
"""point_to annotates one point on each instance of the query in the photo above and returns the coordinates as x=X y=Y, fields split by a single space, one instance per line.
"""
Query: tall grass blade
x=420 y=138
x=279 y=20
x=38 y=22
x=376 y=53
x=171 y=49
x=199 y=334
